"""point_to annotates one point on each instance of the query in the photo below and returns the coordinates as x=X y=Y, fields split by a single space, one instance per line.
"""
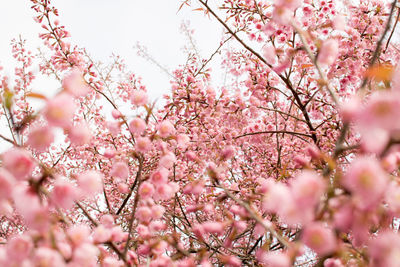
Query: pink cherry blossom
x=18 y=162
x=74 y=83
x=64 y=194
x=328 y=52
x=19 y=247
x=90 y=183
x=40 y=138
x=319 y=238
x=146 y=190
x=7 y=182
x=139 y=98
x=80 y=134
x=165 y=129
x=143 y=144
x=60 y=111
x=120 y=170
x=137 y=126
x=366 y=179
x=160 y=176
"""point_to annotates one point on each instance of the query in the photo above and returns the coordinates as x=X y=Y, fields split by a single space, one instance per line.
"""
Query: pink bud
x=116 y=114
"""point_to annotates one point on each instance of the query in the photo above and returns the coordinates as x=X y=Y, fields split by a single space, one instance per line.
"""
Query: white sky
x=104 y=27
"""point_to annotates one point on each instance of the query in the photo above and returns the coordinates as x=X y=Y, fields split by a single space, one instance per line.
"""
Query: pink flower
x=64 y=194
x=213 y=227
x=85 y=255
x=109 y=153
x=48 y=257
x=164 y=191
x=120 y=170
x=276 y=196
x=339 y=23
x=319 y=238
x=60 y=110
x=165 y=129
x=381 y=111
x=159 y=248
x=143 y=231
x=79 y=234
x=137 y=126
x=374 y=140
x=384 y=249
x=232 y=261
x=80 y=134
x=40 y=138
x=107 y=220
x=111 y=262
x=156 y=226
x=74 y=83
x=269 y=54
x=116 y=114
x=307 y=189
x=282 y=15
x=329 y=52
x=168 y=160
x=160 y=176
x=5 y=208
x=19 y=247
x=90 y=183
x=143 y=144
x=117 y=234
x=157 y=211
x=350 y=109
x=333 y=263
x=366 y=180
x=123 y=188
x=289 y=4
x=392 y=197
x=114 y=127
x=18 y=162
x=190 y=155
x=139 y=98
x=274 y=258
x=144 y=214
x=101 y=234
x=146 y=190
x=182 y=140
x=228 y=152
x=29 y=207
x=7 y=182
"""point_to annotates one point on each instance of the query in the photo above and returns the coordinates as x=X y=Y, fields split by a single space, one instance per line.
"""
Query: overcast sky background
x=104 y=27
